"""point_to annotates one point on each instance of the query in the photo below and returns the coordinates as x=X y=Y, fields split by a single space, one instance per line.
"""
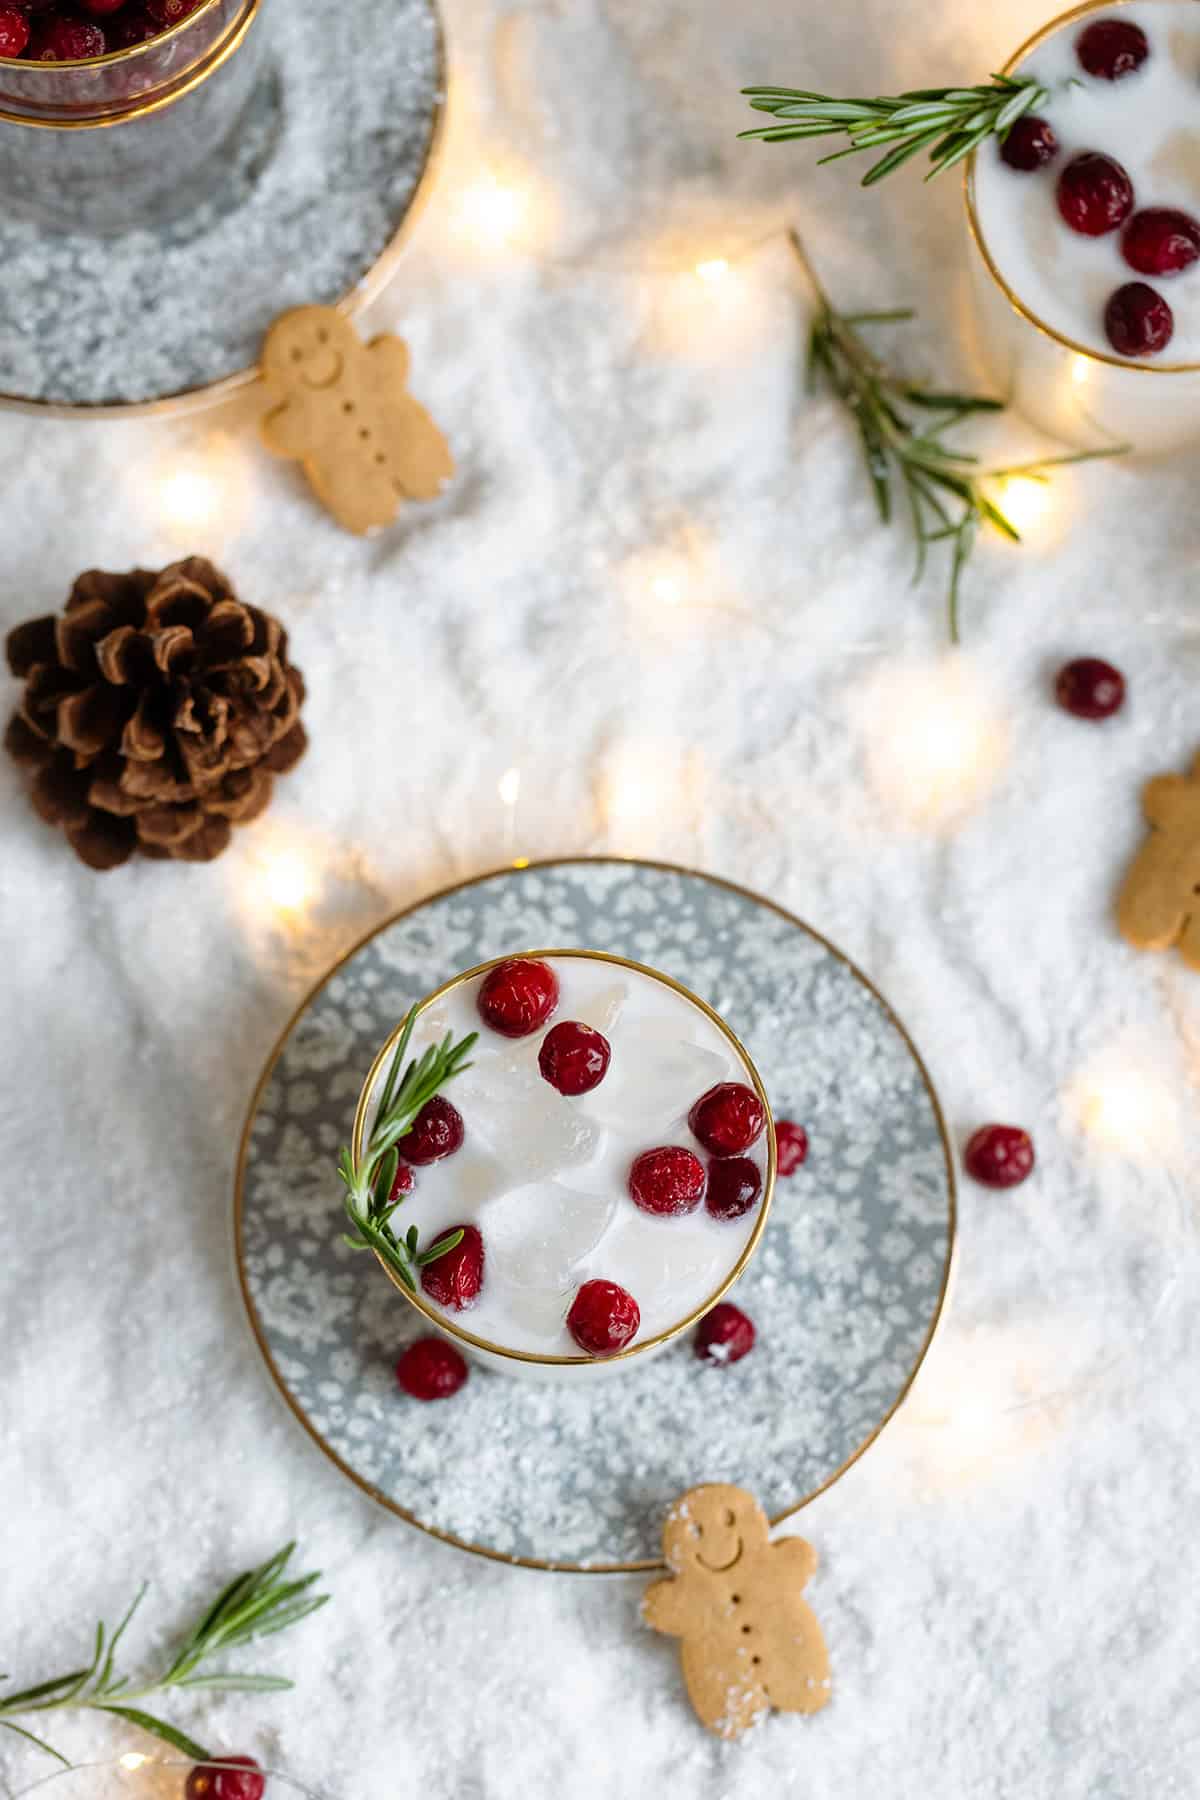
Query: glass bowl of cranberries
x=138 y=1777
x=590 y=1182
x=113 y=113
x=1084 y=226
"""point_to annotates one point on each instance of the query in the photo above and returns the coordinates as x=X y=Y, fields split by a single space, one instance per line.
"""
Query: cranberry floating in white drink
x=1086 y=229
x=608 y=1157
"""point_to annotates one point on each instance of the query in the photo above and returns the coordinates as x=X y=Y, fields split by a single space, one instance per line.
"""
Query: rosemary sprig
x=256 y=1604
x=948 y=122
x=945 y=490
x=368 y=1202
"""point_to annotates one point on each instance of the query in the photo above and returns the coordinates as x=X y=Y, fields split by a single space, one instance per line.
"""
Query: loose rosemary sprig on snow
x=945 y=489
x=948 y=122
x=368 y=1202
x=256 y=1604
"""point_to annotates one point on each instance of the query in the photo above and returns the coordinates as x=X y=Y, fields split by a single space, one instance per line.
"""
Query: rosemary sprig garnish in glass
x=901 y=427
x=257 y=1604
x=369 y=1181
x=948 y=122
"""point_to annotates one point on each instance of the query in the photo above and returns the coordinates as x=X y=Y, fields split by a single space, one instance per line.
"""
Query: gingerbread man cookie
x=344 y=411
x=1160 y=901
x=750 y=1641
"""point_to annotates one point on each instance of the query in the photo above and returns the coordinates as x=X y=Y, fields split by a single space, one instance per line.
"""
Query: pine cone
x=157 y=710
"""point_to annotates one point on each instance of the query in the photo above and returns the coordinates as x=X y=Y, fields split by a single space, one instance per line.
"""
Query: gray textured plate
x=845 y=1290
x=320 y=180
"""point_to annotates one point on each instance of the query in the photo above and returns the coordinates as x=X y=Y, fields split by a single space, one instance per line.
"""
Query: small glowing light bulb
x=287 y=880
x=509 y=787
x=133 y=1759
x=1124 y=1109
x=1025 y=501
x=1081 y=368
x=490 y=212
x=666 y=589
x=190 y=496
x=714 y=268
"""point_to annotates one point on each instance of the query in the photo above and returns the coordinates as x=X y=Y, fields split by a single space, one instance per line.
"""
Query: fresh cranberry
x=724 y=1335
x=1030 y=144
x=14 y=31
x=1095 y=194
x=129 y=28
x=1138 y=321
x=999 y=1156
x=728 y=1118
x=667 y=1181
x=100 y=9
x=68 y=40
x=603 y=1318
x=574 y=1058
x=404 y=1182
x=240 y=1778
x=1090 y=688
x=437 y=1131
x=791 y=1146
x=518 y=996
x=454 y=1280
x=1112 y=48
x=431 y=1369
x=734 y=1185
x=170 y=12
x=1160 y=240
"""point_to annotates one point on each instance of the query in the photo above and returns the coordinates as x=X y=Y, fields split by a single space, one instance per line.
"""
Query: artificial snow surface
x=1008 y=1578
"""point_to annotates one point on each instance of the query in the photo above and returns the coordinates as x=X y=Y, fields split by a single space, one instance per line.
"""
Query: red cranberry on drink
x=999 y=1156
x=1112 y=48
x=130 y=27
x=14 y=31
x=455 y=1278
x=100 y=9
x=170 y=12
x=1030 y=144
x=437 y=1131
x=237 y=1778
x=1090 y=688
x=724 y=1335
x=1095 y=194
x=574 y=1058
x=603 y=1318
x=667 y=1181
x=517 y=997
x=1160 y=240
x=404 y=1182
x=1138 y=321
x=734 y=1186
x=431 y=1369
x=68 y=40
x=791 y=1146
x=728 y=1118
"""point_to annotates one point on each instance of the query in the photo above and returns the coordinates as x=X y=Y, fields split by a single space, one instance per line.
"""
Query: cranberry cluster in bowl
x=48 y=31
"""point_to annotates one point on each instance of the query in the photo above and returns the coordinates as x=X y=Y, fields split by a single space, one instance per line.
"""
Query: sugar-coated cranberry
x=1030 y=144
x=734 y=1186
x=237 y=1778
x=603 y=1318
x=728 y=1118
x=574 y=1058
x=999 y=1156
x=431 y=1369
x=1095 y=194
x=437 y=1131
x=14 y=31
x=404 y=1183
x=1161 y=240
x=1111 y=48
x=68 y=40
x=1090 y=688
x=791 y=1146
x=517 y=997
x=724 y=1335
x=454 y=1279
x=667 y=1181
x=170 y=12
x=1138 y=321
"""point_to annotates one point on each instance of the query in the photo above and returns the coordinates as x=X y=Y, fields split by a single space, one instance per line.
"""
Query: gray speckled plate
x=321 y=177
x=845 y=1290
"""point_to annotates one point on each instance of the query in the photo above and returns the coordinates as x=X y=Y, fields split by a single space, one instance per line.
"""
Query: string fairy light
x=934 y=746
x=644 y=783
x=1122 y=1106
x=133 y=1760
x=713 y=268
x=287 y=880
x=509 y=789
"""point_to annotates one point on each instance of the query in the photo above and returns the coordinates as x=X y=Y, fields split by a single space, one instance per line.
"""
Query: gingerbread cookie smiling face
x=344 y=411
x=750 y=1642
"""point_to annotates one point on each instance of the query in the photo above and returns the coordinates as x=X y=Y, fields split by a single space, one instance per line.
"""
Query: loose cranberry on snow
x=1095 y=194
x=999 y=1156
x=431 y=1369
x=791 y=1146
x=667 y=1181
x=603 y=1318
x=454 y=1279
x=1090 y=688
x=724 y=1335
x=518 y=996
x=239 y=1779
x=728 y=1118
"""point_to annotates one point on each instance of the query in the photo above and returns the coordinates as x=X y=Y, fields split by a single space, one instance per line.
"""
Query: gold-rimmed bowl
x=507 y=1359
x=1082 y=395
x=109 y=143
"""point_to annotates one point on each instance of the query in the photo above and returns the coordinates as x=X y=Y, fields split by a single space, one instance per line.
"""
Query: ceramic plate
x=319 y=181
x=845 y=1290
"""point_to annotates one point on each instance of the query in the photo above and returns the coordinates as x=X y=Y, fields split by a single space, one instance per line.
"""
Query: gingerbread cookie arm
x=795 y=1560
x=1167 y=800
x=285 y=431
x=666 y=1608
x=390 y=358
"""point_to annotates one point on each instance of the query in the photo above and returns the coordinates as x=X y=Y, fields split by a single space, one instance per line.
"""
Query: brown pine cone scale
x=157 y=711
